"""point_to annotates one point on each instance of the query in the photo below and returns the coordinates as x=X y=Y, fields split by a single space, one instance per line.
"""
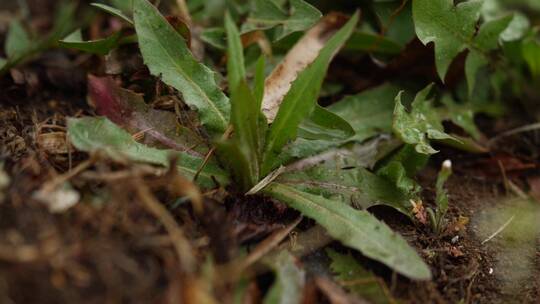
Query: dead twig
x=498 y=230
x=210 y=153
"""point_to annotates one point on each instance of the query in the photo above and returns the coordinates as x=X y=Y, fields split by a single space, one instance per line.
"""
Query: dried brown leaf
x=299 y=57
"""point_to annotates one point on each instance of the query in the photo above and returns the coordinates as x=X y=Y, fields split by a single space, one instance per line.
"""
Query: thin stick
x=268 y=244
x=211 y=152
x=527 y=128
x=184 y=12
x=60 y=179
x=180 y=242
x=498 y=230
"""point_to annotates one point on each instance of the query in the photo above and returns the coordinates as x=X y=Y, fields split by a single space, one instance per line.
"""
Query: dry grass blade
x=526 y=128
x=335 y=294
x=238 y=266
x=299 y=57
x=265 y=246
x=181 y=244
x=61 y=179
x=306 y=242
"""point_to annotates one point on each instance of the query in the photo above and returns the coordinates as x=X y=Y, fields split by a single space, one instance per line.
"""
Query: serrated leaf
x=267 y=14
x=17 y=40
x=113 y=11
x=100 y=46
x=355 y=278
x=355 y=186
x=357 y=229
x=450 y=27
x=167 y=56
x=289 y=284
x=91 y=134
x=302 y=97
x=420 y=125
x=370 y=112
x=340 y=175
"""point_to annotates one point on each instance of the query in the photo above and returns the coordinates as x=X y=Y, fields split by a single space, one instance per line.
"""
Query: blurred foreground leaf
x=353 y=277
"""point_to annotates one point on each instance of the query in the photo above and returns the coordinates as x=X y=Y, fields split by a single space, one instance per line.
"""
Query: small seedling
x=437 y=216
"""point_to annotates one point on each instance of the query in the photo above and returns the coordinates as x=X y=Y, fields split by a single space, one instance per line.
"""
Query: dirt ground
x=110 y=249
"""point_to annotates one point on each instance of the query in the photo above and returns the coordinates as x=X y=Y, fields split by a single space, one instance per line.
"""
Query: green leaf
x=441 y=200
x=236 y=160
x=215 y=37
x=450 y=27
x=267 y=14
x=372 y=43
x=245 y=115
x=370 y=112
x=100 y=47
x=92 y=134
x=357 y=229
x=113 y=11
x=466 y=144
x=63 y=25
x=302 y=97
x=402 y=167
x=355 y=278
x=442 y=194
x=517 y=29
x=355 y=186
x=411 y=160
x=245 y=142
x=167 y=56
x=123 y=5
x=17 y=40
x=289 y=284
x=486 y=40
x=396 y=173
x=530 y=50
x=462 y=115
x=420 y=125
x=395 y=18
x=236 y=70
x=3 y=62
x=325 y=125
